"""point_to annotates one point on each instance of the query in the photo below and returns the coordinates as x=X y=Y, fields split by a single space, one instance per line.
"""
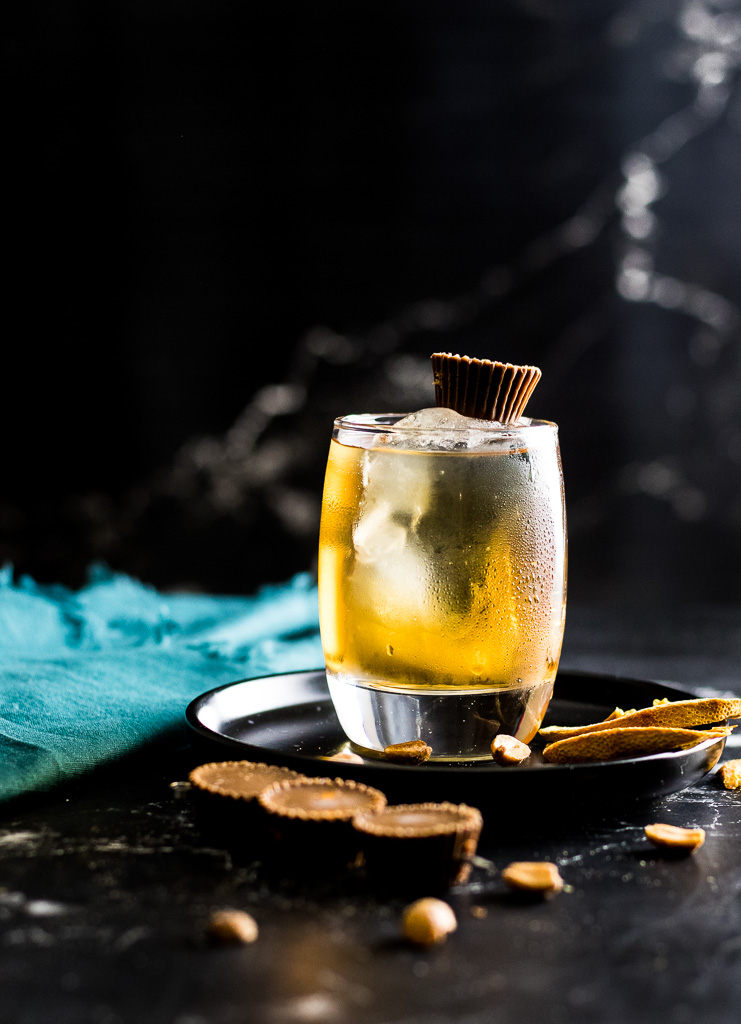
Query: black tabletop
x=106 y=886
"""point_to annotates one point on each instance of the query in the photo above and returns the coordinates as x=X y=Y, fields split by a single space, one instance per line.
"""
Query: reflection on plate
x=289 y=720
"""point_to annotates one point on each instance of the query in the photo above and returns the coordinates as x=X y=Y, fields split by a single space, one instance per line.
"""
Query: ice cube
x=389 y=569
x=440 y=429
x=376 y=535
x=435 y=417
x=396 y=488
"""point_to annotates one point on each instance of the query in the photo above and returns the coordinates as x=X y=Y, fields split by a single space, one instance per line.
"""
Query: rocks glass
x=442 y=579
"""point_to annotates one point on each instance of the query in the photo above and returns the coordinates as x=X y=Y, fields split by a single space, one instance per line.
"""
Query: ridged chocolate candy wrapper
x=481 y=388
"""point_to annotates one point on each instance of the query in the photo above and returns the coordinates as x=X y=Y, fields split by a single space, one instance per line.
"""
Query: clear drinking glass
x=442 y=581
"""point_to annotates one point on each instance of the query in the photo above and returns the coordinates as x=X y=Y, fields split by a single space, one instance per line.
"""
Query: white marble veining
x=690 y=51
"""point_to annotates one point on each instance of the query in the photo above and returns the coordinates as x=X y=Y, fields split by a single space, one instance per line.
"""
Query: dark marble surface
x=232 y=222
x=105 y=886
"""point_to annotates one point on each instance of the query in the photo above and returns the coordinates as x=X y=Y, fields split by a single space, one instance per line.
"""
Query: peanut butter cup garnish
x=482 y=388
x=310 y=819
x=309 y=799
x=238 y=780
x=225 y=795
x=423 y=847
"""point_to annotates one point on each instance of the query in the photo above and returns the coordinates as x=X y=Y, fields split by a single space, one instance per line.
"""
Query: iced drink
x=442 y=578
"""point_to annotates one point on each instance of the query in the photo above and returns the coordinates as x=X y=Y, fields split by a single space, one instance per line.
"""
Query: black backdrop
x=228 y=222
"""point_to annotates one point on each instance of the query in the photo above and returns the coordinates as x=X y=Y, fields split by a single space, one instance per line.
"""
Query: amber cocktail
x=442 y=578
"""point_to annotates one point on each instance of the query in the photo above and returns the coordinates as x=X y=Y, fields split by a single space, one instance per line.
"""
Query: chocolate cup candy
x=416 y=849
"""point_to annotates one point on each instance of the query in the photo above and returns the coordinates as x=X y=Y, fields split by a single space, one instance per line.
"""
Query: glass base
x=459 y=725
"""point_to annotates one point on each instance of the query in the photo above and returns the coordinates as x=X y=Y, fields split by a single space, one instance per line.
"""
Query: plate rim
x=454 y=769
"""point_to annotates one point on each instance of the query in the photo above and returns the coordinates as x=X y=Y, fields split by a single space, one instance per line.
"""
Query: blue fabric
x=89 y=675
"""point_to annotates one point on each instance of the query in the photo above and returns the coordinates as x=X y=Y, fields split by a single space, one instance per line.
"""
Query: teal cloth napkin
x=89 y=675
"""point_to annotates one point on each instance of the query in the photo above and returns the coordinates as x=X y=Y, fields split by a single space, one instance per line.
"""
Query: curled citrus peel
x=677 y=714
x=609 y=744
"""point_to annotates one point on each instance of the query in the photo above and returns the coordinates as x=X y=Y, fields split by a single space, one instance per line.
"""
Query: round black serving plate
x=289 y=720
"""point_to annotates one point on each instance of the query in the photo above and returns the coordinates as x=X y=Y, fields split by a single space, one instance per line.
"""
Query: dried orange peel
x=677 y=714
x=609 y=744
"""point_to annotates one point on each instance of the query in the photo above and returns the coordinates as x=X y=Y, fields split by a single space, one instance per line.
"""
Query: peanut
x=428 y=921
x=232 y=927
x=672 y=837
x=345 y=755
x=533 y=876
x=509 y=750
x=730 y=774
x=409 y=752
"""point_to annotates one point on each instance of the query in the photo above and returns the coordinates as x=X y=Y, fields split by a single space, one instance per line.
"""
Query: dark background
x=229 y=222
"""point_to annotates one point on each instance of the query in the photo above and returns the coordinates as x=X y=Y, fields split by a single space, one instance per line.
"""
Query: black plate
x=289 y=720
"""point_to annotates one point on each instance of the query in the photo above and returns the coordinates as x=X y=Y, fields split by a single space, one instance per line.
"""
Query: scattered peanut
x=730 y=774
x=232 y=927
x=345 y=755
x=606 y=744
x=533 y=876
x=180 y=789
x=428 y=921
x=509 y=750
x=410 y=752
x=672 y=837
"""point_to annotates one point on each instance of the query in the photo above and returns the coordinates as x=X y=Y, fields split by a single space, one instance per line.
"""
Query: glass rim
x=384 y=423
